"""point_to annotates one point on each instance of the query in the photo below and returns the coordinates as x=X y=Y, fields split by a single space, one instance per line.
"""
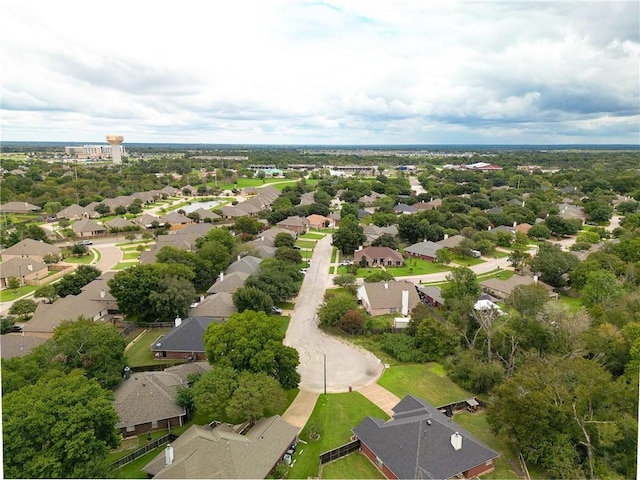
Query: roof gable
x=416 y=442
x=187 y=337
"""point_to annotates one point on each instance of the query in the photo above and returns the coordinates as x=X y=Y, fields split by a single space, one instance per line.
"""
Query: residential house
x=120 y=224
x=175 y=218
x=426 y=250
x=218 y=307
x=298 y=225
x=76 y=212
x=94 y=302
x=229 y=282
x=247 y=264
x=434 y=204
x=369 y=200
x=380 y=298
x=372 y=232
x=501 y=289
x=378 y=257
x=220 y=450
x=184 y=370
x=147 y=220
x=320 y=221
x=421 y=442
x=184 y=341
x=431 y=295
x=505 y=229
x=87 y=228
x=18 y=207
x=572 y=212
x=28 y=271
x=147 y=401
x=404 y=209
x=307 y=198
x=269 y=236
x=18 y=345
x=523 y=228
x=205 y=214
x=29 y=248
x=452 y=243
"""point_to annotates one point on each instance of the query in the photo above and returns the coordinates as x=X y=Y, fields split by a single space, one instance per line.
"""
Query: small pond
x=197 y=205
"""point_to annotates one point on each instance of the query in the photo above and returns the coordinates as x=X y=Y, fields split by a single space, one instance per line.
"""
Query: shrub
x=402 y=347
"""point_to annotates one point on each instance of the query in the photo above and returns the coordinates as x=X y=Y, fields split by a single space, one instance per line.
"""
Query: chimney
x=221 y=276
x=102 y=293
x=523 y=203
x=514 y=224
x=30 y=267
x=405 y=303
x=446 y=235
x=535 y=279
x=239 y=257
x=386 y=285
x=178 y=321
x=456 y=441
x=168 y=455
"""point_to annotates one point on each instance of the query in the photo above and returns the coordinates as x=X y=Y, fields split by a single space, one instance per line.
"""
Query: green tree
x=539 y=231
x=280 y=280
x=247 y=225
x=256 y=395
x=95 y=347
x=24 y=308
x=552 y=263
x=250 y=298
x=133 y=288
x=284 y=239
x=172 y=298
x=349 y=236
x=527 y=300
x=287 y=254
x=130 y=237
x=560 y=412
x=559 y=226
x=601 y=287
x=62 y=427
x=518 y=258
x=378 y=276
x=252 y=341
x=444 y=256
x=335 y=307
x=13 y=283
x=352 y=321
x=72 y=283
x=386 y=240
x=79 y=249
x=213 y=390
x=460 y=294
x=435 y=339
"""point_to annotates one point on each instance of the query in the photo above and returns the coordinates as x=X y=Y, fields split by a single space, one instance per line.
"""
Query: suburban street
x=346 y=365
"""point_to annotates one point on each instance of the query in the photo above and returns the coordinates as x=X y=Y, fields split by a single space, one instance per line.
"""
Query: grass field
x=123 y=265
x=312 y=236
x=10 y=295
x=334 y=254
x=131 y=256
x=84 y=260
x=355 y=465
x=574 y=304
x=309 y=244
x=338 y=413
x=428 y=381
x=140 y=352
x=413 y=266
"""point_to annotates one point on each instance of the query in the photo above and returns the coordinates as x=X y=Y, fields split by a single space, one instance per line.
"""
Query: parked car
x=276 y=311
x=86 y=242
x=304 y=270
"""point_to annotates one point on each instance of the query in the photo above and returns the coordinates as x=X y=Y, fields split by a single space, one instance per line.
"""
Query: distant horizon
x=332 y=145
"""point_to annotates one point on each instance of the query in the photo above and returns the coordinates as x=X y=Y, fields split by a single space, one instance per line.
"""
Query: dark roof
x=416 y=443
x=187 y=337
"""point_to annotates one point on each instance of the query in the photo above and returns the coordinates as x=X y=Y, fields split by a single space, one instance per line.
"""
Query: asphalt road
x=345 y=365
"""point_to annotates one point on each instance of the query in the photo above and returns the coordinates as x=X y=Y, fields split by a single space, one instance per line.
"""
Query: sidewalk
x=301 y=409
x=382 y=397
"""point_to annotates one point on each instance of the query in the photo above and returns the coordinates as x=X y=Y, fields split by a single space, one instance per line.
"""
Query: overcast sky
x=321 y=72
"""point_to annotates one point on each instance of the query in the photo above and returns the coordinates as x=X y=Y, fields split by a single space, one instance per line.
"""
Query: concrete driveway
x=326 y=363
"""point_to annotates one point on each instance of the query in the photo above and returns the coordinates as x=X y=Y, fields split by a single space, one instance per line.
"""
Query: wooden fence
x=170 y=437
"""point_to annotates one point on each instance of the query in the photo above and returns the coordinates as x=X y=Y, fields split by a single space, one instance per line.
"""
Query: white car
x=304 y=270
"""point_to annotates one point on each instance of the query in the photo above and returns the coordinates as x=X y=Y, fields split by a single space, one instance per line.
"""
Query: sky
x=321 y=72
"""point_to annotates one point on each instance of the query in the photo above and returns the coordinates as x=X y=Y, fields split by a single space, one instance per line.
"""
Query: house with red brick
x=378 y=257
x=421 y=442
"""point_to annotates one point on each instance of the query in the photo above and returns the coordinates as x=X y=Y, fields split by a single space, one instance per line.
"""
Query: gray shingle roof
x=246 y=264
x=388 y=295
x=230 y=283
x=223 y=452
x=187 y=337
x=416 y=443
x=426 y=248
x=29 y=247
x=218 y=306
x=147 y=397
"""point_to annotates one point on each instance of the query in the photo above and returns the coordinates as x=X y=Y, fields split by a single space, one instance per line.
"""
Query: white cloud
x=300 y=71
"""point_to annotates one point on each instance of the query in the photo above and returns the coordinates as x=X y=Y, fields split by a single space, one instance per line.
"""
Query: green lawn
x=574 y=304
x=140 y=353
x=313 y=236
x=310 y=244
x=131 y=256
x=84 y=260
x=428 y=381
x=466 y=261
x=123 y=265
x=10 y=295
x=413 y=266
x=134 y=469
x=331 y=270
x=355 y=465
x=334 y=254
x=338 y=414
